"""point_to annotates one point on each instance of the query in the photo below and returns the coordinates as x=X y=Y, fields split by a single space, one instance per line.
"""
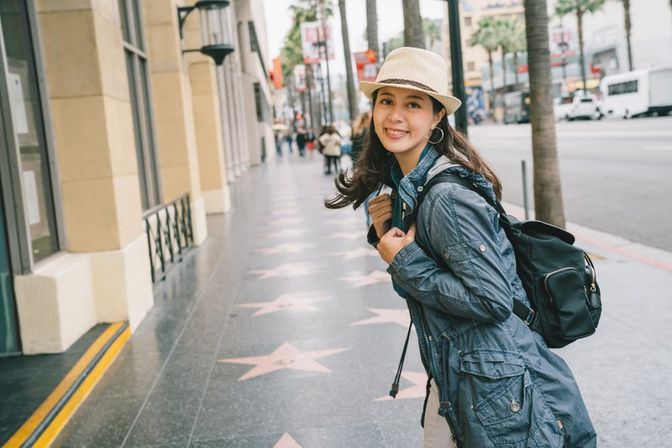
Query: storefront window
x=26 y=113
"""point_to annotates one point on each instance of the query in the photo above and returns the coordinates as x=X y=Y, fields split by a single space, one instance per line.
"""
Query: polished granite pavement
x=282 y=330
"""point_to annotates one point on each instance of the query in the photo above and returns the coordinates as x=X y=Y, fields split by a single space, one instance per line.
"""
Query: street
x=615 y=173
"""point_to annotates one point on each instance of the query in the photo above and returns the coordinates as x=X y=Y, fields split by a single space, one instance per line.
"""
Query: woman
x=493 y=381
x=331 y=144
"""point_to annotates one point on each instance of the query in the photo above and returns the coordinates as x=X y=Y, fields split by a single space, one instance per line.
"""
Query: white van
x=640 y=92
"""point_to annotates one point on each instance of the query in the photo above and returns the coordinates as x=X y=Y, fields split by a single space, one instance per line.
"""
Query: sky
x=390 y=24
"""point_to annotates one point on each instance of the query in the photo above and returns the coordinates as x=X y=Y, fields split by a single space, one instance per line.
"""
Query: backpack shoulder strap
x=521 y=310
x=457 y=179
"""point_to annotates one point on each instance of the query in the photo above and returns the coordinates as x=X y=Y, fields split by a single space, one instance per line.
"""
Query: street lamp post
x=456 y=64
x=218 y=41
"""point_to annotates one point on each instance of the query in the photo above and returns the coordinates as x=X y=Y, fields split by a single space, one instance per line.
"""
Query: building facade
x=114 y=146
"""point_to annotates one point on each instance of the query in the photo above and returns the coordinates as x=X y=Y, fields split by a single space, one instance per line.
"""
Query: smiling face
x=404 y=120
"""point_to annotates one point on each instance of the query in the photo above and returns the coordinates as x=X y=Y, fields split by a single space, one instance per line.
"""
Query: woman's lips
x=395 y=134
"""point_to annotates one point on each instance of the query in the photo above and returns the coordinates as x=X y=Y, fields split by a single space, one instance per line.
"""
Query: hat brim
x=449 y=102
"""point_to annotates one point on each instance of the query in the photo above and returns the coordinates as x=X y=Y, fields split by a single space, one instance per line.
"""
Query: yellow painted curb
x=60 y=420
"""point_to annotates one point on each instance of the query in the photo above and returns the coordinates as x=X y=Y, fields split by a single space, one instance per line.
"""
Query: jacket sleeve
x=471 y=282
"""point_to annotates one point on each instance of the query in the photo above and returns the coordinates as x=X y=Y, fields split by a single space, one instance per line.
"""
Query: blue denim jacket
x=499 y=384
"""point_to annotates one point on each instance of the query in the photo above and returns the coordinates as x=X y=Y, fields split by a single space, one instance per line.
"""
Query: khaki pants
x=437 y=432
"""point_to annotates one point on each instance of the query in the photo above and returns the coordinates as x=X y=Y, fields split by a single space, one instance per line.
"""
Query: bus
x=637 y=93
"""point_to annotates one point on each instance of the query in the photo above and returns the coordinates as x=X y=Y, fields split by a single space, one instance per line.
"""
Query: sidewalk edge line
x=44 y=414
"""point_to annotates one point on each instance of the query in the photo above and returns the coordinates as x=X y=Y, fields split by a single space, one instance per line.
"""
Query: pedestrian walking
x=331 y=143
x=310 y=143
x=301 y=140
x=289 y=140
x=360 y=129
x=493 y=381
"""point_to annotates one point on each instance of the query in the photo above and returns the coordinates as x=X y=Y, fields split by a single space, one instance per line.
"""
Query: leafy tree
x=580 y=8
x=547 y=189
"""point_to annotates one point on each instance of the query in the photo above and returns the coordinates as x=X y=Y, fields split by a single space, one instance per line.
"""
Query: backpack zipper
x=550 y=274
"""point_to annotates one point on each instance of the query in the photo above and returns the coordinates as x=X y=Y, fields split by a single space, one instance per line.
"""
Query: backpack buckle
x=529 y=318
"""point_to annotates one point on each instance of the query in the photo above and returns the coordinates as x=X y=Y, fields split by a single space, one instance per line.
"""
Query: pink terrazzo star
x=287 y=270
x=285 y=233
x=383 y=316
x=284 y=357
x=346 y=236
x=356 y=253
x=289 y=248
x=285 y=221
x=286 y=441
x=370 y=279
x=294 y=302
x=418 y=390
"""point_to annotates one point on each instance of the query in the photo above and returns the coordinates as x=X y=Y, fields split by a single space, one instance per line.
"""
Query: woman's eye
x=385 y=101
x=414 y=105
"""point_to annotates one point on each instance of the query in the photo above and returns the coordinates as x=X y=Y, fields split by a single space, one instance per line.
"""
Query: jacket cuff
x=402 y=259
x=372 y=237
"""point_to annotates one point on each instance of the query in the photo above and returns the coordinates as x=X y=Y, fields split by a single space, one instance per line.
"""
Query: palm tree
x=547 y=191
x=486 y=36
x=580 y=8
x=413 y=24
x=518 y=44
x=504 y=30
x=432 y=32
x=350 y=82
x=628 y=29
x=372 y=26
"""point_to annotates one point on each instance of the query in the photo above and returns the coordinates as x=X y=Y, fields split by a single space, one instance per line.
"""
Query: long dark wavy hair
x=372 y=169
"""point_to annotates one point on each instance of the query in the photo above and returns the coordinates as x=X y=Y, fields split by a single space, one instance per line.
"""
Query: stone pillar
x=104 y=275
x=207 y=122
x=173 y=111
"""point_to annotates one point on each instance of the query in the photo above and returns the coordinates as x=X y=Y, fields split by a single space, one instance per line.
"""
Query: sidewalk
x=283 y=330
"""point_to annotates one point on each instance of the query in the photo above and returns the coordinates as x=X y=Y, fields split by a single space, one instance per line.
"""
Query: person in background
x=360 y=129
x=331 y=142
x=288 y=140
x=301 y=140
x=310 y=143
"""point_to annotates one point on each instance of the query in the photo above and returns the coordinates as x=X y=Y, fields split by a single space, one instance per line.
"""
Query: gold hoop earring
x=439 y=140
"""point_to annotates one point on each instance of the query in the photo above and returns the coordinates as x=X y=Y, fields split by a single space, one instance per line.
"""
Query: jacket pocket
x=507 y=407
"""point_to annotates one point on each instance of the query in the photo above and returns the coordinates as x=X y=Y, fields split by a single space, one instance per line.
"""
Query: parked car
x=579 y=105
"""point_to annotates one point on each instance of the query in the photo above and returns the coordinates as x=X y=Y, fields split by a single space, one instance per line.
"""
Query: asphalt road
x=616 y=174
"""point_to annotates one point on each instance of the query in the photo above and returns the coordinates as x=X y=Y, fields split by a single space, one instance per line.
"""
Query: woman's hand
x=393 y=241
x=380 y=209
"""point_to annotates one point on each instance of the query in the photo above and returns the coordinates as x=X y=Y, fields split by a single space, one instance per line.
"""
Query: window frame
x=140 y=95
x=21 y=248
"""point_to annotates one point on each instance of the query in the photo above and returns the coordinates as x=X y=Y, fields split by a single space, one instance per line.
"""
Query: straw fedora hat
x=414 y=69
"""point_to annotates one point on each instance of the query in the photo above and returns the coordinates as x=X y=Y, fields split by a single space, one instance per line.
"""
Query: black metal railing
x=169 y=235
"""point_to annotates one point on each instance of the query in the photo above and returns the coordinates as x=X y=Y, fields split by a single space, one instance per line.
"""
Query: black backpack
x=558 y=277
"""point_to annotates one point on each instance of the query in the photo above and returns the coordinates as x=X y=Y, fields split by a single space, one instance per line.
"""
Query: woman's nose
x=396 y=113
